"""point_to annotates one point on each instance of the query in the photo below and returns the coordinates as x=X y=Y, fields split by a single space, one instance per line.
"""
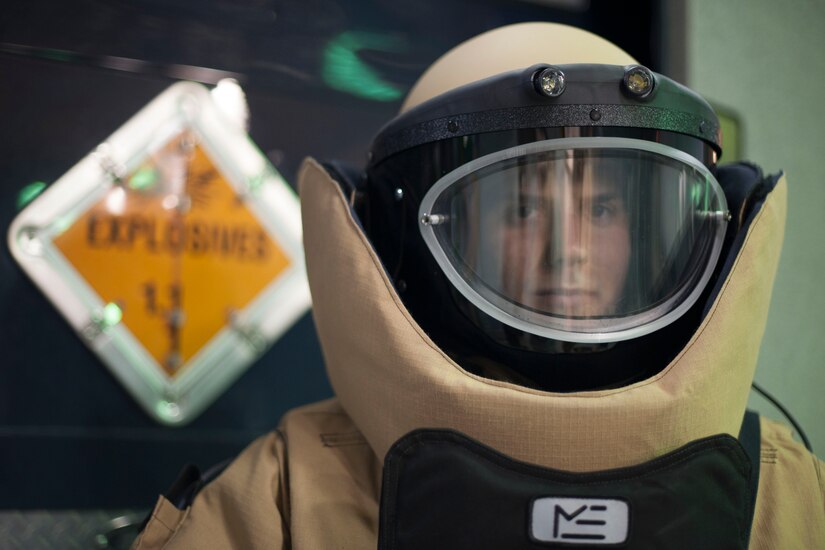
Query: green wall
x=765 y=60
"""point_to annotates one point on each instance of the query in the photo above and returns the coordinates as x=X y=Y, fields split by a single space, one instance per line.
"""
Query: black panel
x=442 y=490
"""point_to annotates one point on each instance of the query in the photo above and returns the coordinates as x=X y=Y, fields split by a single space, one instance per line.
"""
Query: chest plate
x=444 y=490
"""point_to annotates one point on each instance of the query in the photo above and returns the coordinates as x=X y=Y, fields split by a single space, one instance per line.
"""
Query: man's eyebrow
x=600 y=197
x=530 y=195
x=604 y=196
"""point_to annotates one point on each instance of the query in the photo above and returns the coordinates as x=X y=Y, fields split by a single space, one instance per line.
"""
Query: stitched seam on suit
x=284 y=504
x=176 y=529
x=342 y=439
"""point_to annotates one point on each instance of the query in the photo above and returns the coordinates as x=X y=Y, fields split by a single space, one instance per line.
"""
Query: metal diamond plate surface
x=69 y=529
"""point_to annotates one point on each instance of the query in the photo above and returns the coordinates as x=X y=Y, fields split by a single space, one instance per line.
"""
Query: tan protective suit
x=315 y=483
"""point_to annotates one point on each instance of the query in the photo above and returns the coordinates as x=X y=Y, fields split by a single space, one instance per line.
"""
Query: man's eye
x=526 y=210
x=521 y=212
x=602 y=213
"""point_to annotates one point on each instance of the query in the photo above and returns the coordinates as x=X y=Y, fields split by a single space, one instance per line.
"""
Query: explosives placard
x=178 y=252
x=174 y=250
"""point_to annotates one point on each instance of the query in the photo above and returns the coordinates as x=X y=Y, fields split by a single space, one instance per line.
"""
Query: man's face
x=563 y=240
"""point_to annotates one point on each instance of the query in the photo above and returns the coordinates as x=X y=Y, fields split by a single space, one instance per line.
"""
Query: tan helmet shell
x=509 y=48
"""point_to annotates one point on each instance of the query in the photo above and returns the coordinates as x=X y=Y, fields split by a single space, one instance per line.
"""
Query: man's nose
x=566 y=239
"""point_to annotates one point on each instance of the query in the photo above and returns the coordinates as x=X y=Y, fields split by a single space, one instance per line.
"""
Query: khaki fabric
x=313 y=484
x=391 y=378
x=334 y=493
x=790 y=504
x=245 y=507
x=334 y=480
x=162 y=525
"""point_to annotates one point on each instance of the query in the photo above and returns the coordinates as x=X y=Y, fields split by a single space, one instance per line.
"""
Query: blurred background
x=321 y=77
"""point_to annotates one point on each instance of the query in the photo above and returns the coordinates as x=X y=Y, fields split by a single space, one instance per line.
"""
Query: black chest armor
x=443 y=490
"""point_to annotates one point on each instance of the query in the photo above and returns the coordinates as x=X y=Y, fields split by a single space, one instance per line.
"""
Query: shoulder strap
x=190 y=481
x=186 y=487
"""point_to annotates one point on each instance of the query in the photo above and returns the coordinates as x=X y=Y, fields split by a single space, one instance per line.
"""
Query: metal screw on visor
x=549 y=82
x=638 y=81
x=433 y=219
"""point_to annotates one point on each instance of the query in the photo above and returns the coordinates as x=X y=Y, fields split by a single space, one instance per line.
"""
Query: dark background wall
x=72 y=72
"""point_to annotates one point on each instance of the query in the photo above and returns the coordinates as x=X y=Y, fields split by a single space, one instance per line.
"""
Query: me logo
x=580 y=520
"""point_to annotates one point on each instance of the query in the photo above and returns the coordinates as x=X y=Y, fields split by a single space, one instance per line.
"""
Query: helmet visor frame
x=555 y=310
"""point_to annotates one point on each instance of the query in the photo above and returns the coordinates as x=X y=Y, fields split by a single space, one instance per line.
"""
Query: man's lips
x=565 y=300
x=550 y=292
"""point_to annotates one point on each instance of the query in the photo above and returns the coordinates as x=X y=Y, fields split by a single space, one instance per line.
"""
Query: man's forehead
x=582 y=186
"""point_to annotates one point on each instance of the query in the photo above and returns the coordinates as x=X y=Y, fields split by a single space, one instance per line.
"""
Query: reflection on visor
x=582 y=239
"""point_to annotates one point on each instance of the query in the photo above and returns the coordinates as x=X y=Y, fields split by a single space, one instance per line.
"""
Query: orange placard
x=177 y=249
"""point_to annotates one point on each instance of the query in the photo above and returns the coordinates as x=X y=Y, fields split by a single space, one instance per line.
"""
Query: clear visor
x=580 y=239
